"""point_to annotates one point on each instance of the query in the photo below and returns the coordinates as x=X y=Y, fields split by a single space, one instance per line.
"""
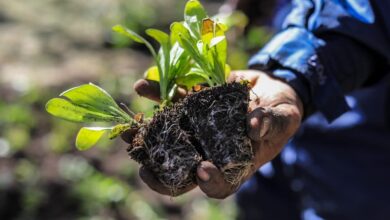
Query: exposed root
x=218 y=121
x=208 y=125
x=165 y=149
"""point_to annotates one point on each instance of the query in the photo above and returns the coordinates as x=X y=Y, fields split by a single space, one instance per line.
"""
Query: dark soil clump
x=164 y=148
x=218 y=122
x=207 y=125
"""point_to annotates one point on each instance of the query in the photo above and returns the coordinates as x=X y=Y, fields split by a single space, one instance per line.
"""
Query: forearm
x=326 y=50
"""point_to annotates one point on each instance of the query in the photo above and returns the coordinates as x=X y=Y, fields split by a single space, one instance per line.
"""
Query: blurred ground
x=47 y=46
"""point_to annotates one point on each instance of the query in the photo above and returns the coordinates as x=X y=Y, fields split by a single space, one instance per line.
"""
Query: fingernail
x=203 y=175
x=264 y=126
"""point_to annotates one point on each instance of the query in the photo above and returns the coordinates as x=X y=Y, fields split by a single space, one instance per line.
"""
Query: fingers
x=258 y=124
x=180 y=93
x=238 y=76
x=211 y=181
x=273 y=123
x=147 y=88
x=153 y=183
x=129 y=135
x=151 y=90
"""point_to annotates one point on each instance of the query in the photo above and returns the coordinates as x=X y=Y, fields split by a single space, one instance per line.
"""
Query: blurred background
x=47 y=46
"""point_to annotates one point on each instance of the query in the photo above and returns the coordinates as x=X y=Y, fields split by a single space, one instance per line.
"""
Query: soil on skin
x=207 y=125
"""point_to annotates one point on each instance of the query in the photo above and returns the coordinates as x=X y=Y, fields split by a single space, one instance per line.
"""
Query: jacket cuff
x=291 y=55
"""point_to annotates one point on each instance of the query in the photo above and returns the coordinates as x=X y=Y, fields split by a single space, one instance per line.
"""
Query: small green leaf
x=118 y=130
x=66 y=110
x=191 y=79
x=179 y=31
x=135 y=37
x=194 y=13
x=152 y=74
x=228 y=69
x=128 y=33
x=89 y=136
x=158 y=35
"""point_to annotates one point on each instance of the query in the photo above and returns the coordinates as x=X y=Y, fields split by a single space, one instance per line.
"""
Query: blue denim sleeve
x=318 y=69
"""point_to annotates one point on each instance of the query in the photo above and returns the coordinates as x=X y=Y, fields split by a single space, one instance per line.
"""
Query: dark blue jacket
x=336 y=55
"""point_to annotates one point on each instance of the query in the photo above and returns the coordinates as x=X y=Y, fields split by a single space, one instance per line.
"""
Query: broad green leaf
x=158 y=35
x=129 y=33
x=152 y=74
x=179 y=31
x=89 y=136
x=194 y=13
x=94 y=98
x=191 y=79
x=118 y=130
x=64 y=109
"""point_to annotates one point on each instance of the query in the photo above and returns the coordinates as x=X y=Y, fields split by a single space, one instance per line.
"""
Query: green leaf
x=152 y=74
x=163 y=59
x=94 y=98
x=134 y=36
x=159 y=36
x=64 y=109
x=216 y=40
x=228 y=69
x=194 y=13
x=89 y=136
x=118 y=130
x=180 y=60
x=128 y=33
x=187 y=42
x=191 y=79
x=214 y=48
x=179 y=32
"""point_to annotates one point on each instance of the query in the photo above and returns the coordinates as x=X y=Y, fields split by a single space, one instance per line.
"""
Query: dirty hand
x=275 y=113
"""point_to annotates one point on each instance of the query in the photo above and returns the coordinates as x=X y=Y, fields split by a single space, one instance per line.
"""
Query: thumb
x=258 y=122
x=211 y=181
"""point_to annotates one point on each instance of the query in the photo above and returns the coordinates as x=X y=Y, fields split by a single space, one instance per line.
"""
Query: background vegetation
x=47 y=46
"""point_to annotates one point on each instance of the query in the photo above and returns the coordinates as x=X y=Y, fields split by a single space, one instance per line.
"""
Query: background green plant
x=48 y=46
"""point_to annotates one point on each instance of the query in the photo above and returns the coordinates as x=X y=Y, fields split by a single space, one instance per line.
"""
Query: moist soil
x=207 y=125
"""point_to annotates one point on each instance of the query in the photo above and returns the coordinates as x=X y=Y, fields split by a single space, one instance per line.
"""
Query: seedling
x=171 y=61
x=209 y=124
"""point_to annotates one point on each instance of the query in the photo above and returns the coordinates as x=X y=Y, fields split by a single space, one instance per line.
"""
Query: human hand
x=275 y=112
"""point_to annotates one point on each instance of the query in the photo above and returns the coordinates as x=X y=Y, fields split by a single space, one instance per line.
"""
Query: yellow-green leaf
x=89 y=136
x=194 y=13
x=228 y=69
x=94 y=98
x=66 y=110
x=152 y=74
x=118 y=129
x=128 y=33
x=191 y=79
x=158 y=35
